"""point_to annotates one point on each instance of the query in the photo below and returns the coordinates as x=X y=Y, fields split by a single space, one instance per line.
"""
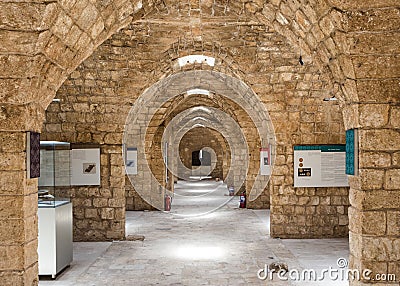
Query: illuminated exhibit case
x=54 y=208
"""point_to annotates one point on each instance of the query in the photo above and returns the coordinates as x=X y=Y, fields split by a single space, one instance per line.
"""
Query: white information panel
x=85 y=167
x=320 y=166
x=265 y=161
x=131 y=161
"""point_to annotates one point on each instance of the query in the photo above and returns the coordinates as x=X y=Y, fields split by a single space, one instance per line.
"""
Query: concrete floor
x=227 y=246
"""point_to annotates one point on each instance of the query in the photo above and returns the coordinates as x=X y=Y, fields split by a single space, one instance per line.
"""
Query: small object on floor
x=278 y=266
x=242 y=203
x=131 y=237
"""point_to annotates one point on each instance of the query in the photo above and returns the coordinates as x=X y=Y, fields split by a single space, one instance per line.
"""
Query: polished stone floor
x=225 y=246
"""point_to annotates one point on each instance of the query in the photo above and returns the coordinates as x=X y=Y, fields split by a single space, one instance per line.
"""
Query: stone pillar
x=375 y=195
x=18 y=214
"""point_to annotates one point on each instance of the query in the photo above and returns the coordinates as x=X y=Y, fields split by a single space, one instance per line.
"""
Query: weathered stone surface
x=379 y=139
x=373 y=19
x=374 y=43
x=376 y=67
x=375 y=160
x=374 y=200
x=395 y=117
x=22 y=16
x=374 y=115
x=378 y=91
x=369 y=223
x=392 y=179
x=393 y=222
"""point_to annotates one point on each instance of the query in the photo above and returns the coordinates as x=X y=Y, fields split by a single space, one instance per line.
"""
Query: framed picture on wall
x=85 y=166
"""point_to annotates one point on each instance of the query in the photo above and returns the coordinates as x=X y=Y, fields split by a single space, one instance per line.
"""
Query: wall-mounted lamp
x=333 y=98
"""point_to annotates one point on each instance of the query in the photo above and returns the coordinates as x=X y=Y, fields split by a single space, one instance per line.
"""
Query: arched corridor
x=296 y=101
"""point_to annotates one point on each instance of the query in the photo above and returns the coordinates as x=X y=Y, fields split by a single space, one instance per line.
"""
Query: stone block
x=116 y=203
x=371 y=179
x=367 y=222
x=381 y=249
x=100 y=202
x=372 y=19
x=374 y=199
x=393 y=223
x=375 y=160
x=107 y=213
x=91 y=213
x=12 y=161
x=378 y=91
x=379 y=139
x=395 y=117
x=22 y=16
x=366 y=67
x=374 y=115
x=13 y=182
x=392 y=179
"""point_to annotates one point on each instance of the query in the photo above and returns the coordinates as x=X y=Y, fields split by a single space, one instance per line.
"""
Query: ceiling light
x=198 y=91
x=202 y=108
x=191 y=59
x=333 y=98
x=199 y=118
x=198 y=125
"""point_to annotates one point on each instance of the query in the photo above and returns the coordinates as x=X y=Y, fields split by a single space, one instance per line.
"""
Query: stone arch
x=19 y=116
x=183 y=102
x=216 y=120
x=179 y=83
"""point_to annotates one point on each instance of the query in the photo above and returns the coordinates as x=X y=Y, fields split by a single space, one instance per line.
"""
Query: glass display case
x=55 y=177
x=54 y=208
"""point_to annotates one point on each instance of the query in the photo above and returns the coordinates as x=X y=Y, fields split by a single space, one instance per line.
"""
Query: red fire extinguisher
x=167 y=203
x=242 y=200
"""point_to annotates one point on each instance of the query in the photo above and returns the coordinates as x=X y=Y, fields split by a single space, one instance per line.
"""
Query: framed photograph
x=85 y=167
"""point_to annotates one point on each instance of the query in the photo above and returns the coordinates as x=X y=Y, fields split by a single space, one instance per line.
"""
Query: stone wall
x=375 y=192
x=99 y=211
x=18 y=213
x=257 y=41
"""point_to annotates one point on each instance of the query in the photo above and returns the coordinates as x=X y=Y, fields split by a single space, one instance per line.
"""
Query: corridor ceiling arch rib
x=155 y=96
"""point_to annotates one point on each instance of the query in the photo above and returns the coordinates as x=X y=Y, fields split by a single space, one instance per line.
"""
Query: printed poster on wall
x=85 y=167
x=131 y=161
x=320 y=166
x=265 y=161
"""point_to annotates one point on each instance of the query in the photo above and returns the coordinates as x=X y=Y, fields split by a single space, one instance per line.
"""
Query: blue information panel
x=351 y=152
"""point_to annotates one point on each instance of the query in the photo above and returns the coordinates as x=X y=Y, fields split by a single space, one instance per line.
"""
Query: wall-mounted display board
x=265 y=161
x=352 y=152
x=320 y=166
x=32 y=155
x=131 y=160
x=85 y=166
